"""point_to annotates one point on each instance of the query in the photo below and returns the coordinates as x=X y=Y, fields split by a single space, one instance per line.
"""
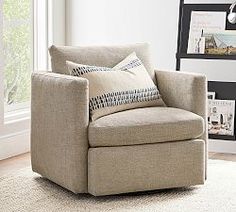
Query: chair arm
x=183 y=90
x=187 y=91
x=59 y=122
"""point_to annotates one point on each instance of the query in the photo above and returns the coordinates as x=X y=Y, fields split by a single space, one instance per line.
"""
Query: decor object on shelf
x=211 y=95
x=232 y=14
x=225 y=98
x=220 y=42
x=200 y=22
x=221 y=117
x=134 y=150
x=208 y=34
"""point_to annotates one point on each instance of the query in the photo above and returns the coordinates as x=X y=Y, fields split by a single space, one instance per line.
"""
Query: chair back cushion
x=105 y=56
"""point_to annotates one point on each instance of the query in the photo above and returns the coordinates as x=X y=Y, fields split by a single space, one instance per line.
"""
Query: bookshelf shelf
x=205 y=56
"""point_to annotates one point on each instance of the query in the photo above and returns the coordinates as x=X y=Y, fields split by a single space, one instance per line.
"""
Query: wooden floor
x=222 y=156
x=12 y=164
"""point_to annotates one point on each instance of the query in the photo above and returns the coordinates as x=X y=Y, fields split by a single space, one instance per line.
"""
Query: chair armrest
x=59 y=122
x=183 y=90
x=187 y=91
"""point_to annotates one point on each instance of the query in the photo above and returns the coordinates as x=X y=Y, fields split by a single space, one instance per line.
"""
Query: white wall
x=58 y=20
x=125 y=21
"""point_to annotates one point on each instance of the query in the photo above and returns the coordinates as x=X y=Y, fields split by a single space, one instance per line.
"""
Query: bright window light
x=17 y=42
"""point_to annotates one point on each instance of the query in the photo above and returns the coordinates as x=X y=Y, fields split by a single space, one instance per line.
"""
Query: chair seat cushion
x=144 y=126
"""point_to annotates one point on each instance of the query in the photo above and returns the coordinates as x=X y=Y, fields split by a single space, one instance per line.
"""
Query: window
x=17 y=43
x=26 y=31
x=24 y=41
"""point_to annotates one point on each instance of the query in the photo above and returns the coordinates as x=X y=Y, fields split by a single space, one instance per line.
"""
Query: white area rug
x=26 y=191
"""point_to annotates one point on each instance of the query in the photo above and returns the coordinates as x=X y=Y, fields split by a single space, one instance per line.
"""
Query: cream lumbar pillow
x=125 y=86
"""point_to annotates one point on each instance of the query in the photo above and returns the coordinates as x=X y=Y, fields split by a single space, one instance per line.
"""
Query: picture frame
x=220 y=42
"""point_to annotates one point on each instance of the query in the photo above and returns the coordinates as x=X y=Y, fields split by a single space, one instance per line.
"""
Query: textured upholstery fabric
x=59 y=139
x=187 y=91
x=106 y=56
x=59 y=122
x=113 y=170
x=126 y=86
x=144 y=126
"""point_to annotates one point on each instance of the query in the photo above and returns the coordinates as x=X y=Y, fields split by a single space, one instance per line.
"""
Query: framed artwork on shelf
x=220 y=42
x=211 y=95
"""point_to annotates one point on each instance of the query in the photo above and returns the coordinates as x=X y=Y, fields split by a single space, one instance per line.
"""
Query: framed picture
x=221 y=115
x=211 y=95
x=220 y=42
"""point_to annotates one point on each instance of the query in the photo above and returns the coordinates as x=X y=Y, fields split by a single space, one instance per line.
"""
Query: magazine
x=221 y=114
x=200 y=22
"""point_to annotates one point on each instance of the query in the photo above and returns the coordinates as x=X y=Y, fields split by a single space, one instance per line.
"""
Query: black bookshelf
x=223 y=90
x=206 y=56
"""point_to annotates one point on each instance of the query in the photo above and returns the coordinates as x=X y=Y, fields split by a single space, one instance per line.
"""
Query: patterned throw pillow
x=125 y=86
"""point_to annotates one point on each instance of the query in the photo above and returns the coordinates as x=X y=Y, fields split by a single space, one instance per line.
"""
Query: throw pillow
x=126 y=86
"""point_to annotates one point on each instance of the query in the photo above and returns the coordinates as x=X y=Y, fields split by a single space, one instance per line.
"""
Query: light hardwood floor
x=12 y=164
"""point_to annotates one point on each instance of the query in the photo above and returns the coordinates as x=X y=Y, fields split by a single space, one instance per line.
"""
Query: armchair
x=134 y=150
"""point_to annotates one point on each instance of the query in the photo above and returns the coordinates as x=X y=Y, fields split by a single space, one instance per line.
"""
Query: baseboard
x=222 y=146
x=14 y=144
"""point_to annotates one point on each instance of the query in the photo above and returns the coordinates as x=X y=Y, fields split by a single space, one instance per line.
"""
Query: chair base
x=115 y=170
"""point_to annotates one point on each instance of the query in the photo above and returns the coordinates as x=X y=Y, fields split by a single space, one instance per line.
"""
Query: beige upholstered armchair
x=134 y=150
